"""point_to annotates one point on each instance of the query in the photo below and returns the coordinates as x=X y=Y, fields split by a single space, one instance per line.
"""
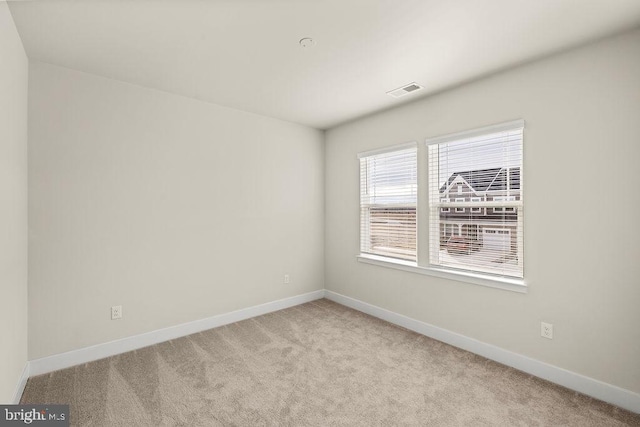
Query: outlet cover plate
x=546 y=330
x=116 y=312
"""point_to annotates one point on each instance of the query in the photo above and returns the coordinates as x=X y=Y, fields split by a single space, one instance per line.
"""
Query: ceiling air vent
x=405 y=90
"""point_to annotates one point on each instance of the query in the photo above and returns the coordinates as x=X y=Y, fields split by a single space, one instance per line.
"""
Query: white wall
x=173 y=208
x=582 y=210
x=13 y=206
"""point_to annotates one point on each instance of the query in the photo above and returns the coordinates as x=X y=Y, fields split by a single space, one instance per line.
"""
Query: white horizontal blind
x=388 y=196
x=476 y=201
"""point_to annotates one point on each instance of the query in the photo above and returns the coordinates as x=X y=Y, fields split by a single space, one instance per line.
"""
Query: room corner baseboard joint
x=22 y=383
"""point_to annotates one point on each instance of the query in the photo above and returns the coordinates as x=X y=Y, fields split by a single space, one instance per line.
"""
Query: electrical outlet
x=546 y=330
x=287 y=279
x=116 y=312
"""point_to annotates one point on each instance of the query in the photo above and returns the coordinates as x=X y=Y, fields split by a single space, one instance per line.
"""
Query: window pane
x=481 y=230
x=388 y=194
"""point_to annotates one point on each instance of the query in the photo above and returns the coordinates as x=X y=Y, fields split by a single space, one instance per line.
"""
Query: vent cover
x=405 y=90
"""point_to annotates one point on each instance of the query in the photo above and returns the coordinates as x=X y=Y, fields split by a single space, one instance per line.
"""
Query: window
x=472 y=227
x=388 y=199
x=475 y=200
x=502 y=199
x=490 y=161
x=450 y=230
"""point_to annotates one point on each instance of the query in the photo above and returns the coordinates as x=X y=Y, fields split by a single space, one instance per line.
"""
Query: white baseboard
x=22 y=382
x=600 y=390
x=100 y=351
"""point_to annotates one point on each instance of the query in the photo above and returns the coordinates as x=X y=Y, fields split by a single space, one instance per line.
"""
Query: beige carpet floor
x=317 y=364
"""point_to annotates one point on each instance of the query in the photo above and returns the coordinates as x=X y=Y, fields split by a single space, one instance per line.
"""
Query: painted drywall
x=581 y=211
x=174 y=208
x=13 y=206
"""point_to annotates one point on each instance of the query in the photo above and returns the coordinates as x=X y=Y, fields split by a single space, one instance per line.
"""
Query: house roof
x=493 y=179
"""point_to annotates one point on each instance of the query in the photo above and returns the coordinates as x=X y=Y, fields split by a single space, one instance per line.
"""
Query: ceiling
x=245 y=54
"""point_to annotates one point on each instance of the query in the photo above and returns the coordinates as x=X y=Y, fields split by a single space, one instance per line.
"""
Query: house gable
x=452 y=188
x=482 y=181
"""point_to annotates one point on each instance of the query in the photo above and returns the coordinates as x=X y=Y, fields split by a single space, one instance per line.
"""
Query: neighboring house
x=491 y=227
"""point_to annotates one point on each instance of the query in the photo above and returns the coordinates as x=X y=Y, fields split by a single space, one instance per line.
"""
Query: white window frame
x=422 y=265
x=457 y=200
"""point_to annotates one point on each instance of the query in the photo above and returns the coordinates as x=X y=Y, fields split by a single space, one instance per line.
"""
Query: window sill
x=514 y=285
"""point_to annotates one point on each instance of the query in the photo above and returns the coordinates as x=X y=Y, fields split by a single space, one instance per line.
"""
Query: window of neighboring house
x=388 y=200
x=444 y=210
x=470 y=231
x=476 y=200
x=500 y=209
x=460 y=199
x=503 y=199
x=491 y=158
x=510 y=199
x=448 y=230
x=459 y=188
